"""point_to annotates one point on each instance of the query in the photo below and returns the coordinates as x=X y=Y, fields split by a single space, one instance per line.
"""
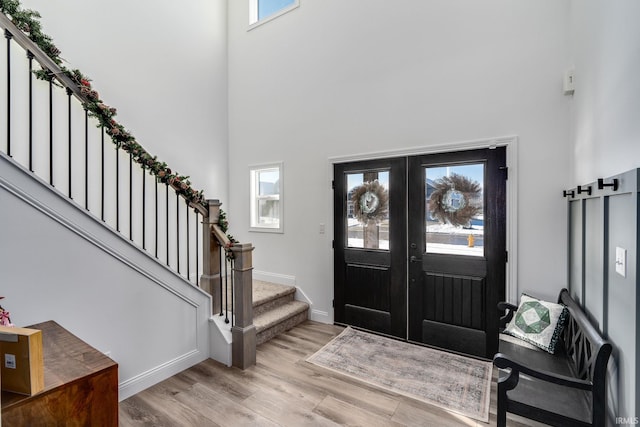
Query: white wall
x=335 y=78
x=59 y=264
x=163 y=66
x=605 y=48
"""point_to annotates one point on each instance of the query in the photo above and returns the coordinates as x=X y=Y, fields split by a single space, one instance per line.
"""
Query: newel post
x=210 y=279
x=243 y=331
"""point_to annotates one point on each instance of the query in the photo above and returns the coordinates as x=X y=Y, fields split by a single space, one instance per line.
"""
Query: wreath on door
x=370 y=202
x=454 y=200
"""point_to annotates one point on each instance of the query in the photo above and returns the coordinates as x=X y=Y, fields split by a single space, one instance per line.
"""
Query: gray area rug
x=449 y=381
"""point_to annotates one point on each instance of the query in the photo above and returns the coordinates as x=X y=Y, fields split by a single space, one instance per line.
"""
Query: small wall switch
x=10 y=361
x=568 y=82
x=621 y=261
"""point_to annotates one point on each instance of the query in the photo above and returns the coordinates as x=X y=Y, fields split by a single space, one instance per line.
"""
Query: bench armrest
x=510 y=310
x=502 y=361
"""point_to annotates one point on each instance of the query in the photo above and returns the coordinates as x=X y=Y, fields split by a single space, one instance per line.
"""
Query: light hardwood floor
x=283 y=390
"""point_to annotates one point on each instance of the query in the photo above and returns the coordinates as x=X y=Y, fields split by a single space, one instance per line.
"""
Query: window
x=266 y=205
x=454 y=209
x=261 y=11
x=367 y=209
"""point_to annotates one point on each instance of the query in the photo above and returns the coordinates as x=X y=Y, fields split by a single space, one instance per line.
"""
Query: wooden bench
x=564 y=389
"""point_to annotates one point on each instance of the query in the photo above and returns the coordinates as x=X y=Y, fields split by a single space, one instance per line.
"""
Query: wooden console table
x=81 y=385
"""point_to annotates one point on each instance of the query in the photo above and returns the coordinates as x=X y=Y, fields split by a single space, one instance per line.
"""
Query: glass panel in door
x=367 y=201
x=454 y=206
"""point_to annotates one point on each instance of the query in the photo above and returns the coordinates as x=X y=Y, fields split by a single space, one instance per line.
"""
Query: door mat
x=455 y=383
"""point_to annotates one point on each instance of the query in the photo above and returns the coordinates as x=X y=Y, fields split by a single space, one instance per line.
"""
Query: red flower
x=85 y=82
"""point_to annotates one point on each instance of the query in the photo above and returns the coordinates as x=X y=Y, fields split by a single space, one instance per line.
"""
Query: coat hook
x=566 y=193
x=614 y=184
x=584 y=190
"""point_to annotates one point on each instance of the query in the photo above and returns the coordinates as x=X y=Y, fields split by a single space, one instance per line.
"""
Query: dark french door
x=369 y=245
x=419 y=247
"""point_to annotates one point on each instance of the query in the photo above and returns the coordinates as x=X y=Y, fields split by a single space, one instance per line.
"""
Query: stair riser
x=270 y=305
x=283 y=326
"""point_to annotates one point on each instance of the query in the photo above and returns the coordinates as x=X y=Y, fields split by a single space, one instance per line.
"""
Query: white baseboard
x=301 y=296
x=153 y=376
x=321 y=316
x=280 y=279
x=314 y=314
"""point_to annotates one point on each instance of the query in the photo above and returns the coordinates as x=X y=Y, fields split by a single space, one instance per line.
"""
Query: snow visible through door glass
x=454 y=207
x=368 y=210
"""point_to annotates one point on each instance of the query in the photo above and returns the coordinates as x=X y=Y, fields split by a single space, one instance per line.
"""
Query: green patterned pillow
x=538 y=322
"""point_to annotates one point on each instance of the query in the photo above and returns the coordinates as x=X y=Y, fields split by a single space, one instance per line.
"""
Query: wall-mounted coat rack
x=602 y=185
x=586 y=189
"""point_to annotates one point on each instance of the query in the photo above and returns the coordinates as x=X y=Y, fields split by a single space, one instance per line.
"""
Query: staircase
x=275 y=310
x=153 y=239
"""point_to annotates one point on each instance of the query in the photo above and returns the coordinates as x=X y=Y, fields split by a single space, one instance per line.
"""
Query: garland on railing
x=223 y=223
x=27 y=22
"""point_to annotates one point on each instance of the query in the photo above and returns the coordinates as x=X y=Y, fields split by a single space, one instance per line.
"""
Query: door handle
x=414 y=259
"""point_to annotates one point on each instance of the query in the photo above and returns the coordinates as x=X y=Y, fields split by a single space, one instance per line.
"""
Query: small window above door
x=261 y=11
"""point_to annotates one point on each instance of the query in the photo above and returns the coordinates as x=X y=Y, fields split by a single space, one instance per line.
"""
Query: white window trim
x=253 y=13
x=253 y=198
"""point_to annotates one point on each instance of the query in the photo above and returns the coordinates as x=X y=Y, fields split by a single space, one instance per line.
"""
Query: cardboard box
x=21 y=359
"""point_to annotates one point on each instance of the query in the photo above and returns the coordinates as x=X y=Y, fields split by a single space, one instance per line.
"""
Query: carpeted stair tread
x=279 y=314
x=279 y=319
x=274 y=309
x=264 y=292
